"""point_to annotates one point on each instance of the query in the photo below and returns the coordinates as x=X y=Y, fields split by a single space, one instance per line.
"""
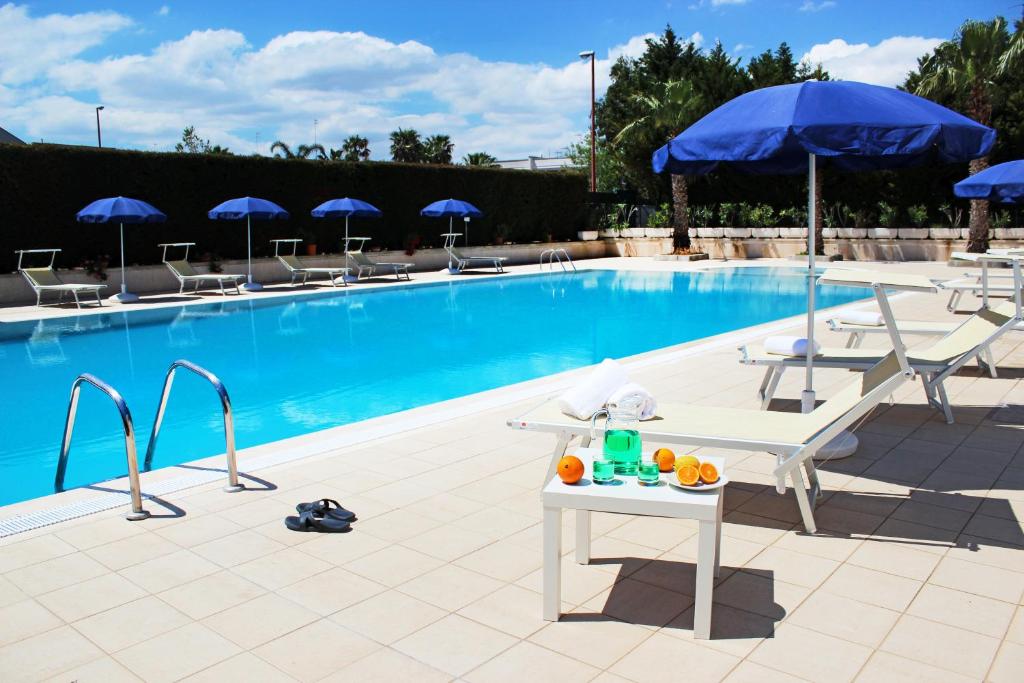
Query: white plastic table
x=631 y=498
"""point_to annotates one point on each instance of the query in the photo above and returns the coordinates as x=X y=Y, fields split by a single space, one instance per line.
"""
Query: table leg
x=561 y=445
x=718 y=534
x=552 y=563
x=583 y=537
x=705 y=580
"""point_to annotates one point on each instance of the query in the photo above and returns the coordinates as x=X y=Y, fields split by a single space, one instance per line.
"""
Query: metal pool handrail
x=556 y=254
x=129 y=441
x=229 y=421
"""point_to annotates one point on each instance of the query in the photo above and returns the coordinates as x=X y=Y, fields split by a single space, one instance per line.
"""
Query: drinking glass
x=603 y=471
x=649 y=474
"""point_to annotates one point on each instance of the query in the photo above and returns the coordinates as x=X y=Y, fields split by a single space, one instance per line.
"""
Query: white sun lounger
x=185 y=273
x=980 y=284
x=298 y=269
x=971 y=339
x=45 y=279
x=462 y=262
x=363 y=265
x=793 y=438
x=858 y=331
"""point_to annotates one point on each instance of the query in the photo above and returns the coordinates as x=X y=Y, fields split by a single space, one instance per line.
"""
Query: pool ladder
x=128 y=425
x=561 y=255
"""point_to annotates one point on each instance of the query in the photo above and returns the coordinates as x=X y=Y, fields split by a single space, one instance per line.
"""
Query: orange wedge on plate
x=708 y=473
x=688 y=475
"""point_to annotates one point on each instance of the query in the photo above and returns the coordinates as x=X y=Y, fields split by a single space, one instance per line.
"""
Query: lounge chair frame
x=364 y=265
x=297 y=269
x=462 y=262
x=184 y=277
x=31 y=276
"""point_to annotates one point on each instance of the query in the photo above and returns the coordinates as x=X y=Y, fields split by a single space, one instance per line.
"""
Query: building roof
x=9 y=139
x=537 y=163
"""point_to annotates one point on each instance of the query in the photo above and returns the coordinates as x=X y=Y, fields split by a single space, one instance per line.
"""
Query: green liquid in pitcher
x=622 y=446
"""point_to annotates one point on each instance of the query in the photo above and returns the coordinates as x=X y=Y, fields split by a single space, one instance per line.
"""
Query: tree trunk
x=819 y=217
x=680 y=214
x=977 y=241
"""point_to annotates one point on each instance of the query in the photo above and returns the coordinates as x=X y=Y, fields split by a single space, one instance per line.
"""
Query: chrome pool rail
x=551 y=255
x=229 y=420
x=137 y=512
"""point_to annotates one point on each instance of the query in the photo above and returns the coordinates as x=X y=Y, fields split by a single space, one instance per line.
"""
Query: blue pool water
x=294 y=365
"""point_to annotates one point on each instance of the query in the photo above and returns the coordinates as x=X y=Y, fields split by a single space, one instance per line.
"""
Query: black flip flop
x=310 y=521
x=323 y=507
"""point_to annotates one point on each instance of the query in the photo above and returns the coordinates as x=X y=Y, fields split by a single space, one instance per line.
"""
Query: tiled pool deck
x=917 y=572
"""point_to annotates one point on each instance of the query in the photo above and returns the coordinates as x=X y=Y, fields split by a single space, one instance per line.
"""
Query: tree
x=970 y=70
x=437 y=149
x=479 y=159
x=671 y=108
x=768 y=69
x=407 y=146
x=353 y=148
x=191 y=143
x=301 y=152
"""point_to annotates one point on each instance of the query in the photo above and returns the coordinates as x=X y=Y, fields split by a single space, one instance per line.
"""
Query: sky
x=498 y=77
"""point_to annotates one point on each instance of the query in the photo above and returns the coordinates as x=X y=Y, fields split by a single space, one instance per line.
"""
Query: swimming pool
x=294 y=365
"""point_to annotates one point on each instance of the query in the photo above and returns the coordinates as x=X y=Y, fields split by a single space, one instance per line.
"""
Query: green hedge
x=43 y=186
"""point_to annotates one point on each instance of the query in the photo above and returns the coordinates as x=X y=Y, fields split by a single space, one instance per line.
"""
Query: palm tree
x=305 y=151
x=968 y=70
x=479 y=159
x=354 y=148
x=285 y=150
x=438 y=149
x=668 y=110
x=406 y=146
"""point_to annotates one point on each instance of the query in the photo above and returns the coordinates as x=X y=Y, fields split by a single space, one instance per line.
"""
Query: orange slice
x=688 y=475
x=708 y=473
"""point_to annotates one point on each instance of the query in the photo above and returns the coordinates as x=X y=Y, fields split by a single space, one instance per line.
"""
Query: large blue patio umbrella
x=346 y=207
x=452 y=208
x=1000 y=183
x=249 y=208
x=853 y=126
x=121 y=210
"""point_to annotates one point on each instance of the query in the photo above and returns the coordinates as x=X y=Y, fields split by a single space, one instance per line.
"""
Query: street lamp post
x=99 y=137
x=589 y=54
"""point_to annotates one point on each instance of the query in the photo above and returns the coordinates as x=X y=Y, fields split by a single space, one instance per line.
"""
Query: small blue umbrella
x=855 y=126
x=248 y=208
x=344 y=208
x=452 y=208
x=121 y=210
x=1000 y=183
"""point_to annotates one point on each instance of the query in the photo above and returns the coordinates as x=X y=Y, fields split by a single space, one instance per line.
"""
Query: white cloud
x=719 y=3
x=886 y=63
x=350 y=81
x=30 y=45
x=741 y=47
x=164 y=10
x=811 y=6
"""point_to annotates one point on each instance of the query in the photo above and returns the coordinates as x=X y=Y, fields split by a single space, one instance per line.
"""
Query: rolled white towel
x=635 y=392
x=590 y=395
x=789 y=346
x=872 y=318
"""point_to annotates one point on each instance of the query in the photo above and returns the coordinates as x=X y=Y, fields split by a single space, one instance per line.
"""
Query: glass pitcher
x=621 y=435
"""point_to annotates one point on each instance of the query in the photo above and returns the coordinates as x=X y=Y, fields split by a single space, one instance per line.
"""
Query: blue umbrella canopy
x=451 y=207
x=999 y=183
x=120 y=210
x=855 y=126
x=247 y=207
x=345 y=207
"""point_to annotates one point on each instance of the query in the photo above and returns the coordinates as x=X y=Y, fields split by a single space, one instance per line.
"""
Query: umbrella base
x=843 y=446
x=349 y=278
x=451 y=271
x=124 y=298
x=252 y=286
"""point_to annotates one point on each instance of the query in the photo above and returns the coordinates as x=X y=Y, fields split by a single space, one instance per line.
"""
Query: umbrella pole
x=807 y=397
x=124 y=285
x=248 y=238
x=450 y=230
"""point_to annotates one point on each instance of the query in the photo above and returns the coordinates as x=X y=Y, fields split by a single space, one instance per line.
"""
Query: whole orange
x=665 y=458
x=570 y=469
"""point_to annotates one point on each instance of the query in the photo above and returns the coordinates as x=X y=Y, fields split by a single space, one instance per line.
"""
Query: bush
x=43 y=186
x=918 y=215
x=888 y=215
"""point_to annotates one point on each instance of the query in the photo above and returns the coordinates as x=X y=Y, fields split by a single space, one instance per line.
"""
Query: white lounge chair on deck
x=461 y=262
x=45 y=279
x=185 y=273
x=298 y=269
x=793 y=437
x=363 y=265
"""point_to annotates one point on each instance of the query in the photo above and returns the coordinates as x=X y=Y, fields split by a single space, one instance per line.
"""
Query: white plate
x=673 y=481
